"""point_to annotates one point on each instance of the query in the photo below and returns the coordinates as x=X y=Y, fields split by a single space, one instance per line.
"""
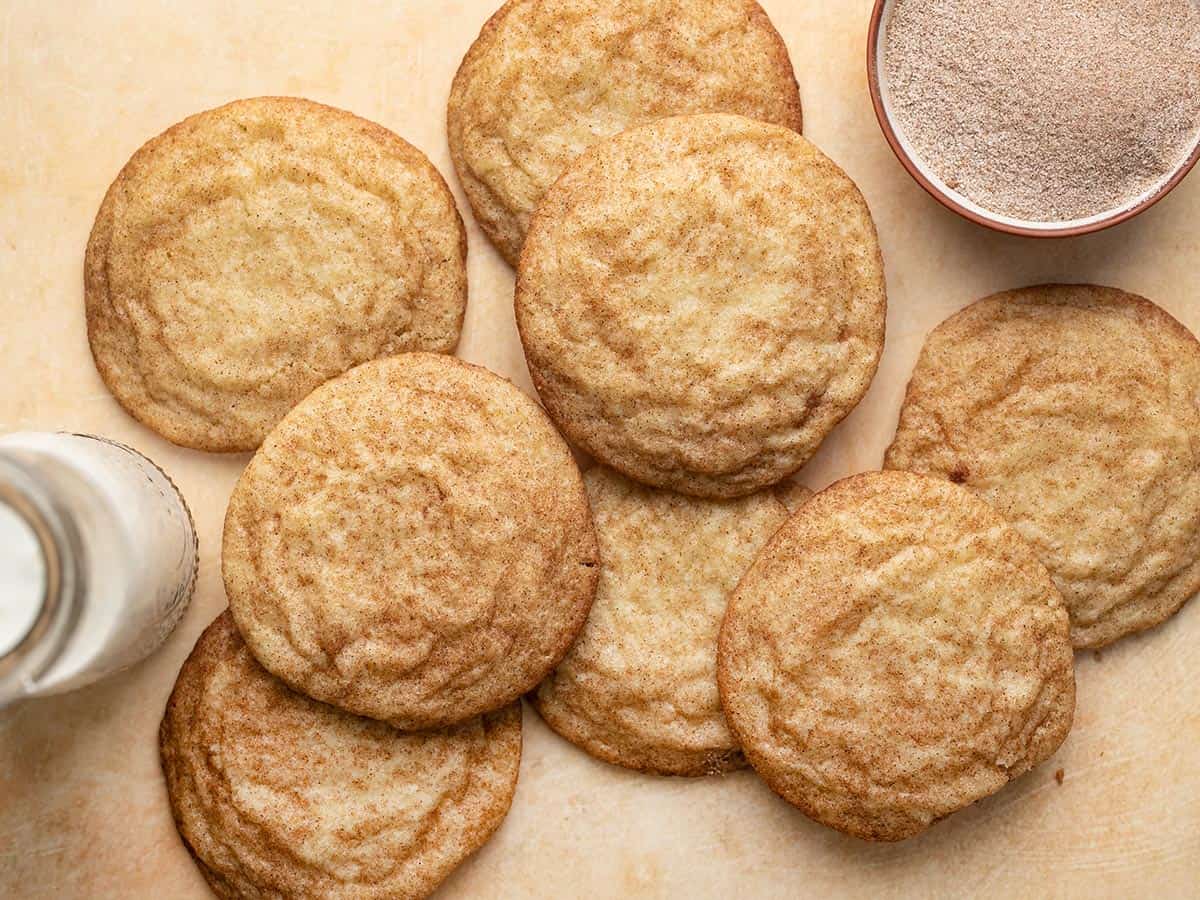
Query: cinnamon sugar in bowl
x=1035 y=118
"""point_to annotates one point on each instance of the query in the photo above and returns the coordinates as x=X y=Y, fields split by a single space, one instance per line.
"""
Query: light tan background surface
x=83 y=811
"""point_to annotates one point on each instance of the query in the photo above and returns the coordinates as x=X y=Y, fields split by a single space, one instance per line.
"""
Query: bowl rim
x=889 y=132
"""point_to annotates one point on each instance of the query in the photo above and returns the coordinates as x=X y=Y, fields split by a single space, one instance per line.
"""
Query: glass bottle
x=98 y=560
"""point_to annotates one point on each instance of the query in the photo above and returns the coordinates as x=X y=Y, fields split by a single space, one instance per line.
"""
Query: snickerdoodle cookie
x=1075 y=411
x=411 y=543
x=639 y=687
x=276 y=795
x=793 y=494
x=546 y=79
x=701 y=300
x=895 y=653
x=255 y=250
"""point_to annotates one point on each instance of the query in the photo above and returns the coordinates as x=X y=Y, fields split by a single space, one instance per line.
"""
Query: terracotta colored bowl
x=978 y=215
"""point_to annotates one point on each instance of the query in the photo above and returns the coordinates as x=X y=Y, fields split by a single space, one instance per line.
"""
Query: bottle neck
x=40 y=576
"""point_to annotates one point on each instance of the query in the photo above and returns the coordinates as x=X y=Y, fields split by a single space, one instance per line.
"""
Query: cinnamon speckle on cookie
x=546 y=79
x=639 y=687
x=411 y=543
x=252 y=251
x=701 y=300
x=1075 y=411
x=276 y=795
x=895 y=653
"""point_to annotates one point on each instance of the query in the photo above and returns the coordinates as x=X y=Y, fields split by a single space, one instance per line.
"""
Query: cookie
x=546 y=79
x=895 y=653
x=1075 y=411
x=276 y=795
x=253 y=251
x=411 y=543
x=701 y=300
x=639 y=688
x=793 y=494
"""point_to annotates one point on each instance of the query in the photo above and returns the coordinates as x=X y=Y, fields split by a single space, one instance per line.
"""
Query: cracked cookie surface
x=276 y=795
x=546 y=79
x=253 y=251
x=1074 y=410
x=639 y=686
x=411 y=543
x=701 y=300
x=895 y=653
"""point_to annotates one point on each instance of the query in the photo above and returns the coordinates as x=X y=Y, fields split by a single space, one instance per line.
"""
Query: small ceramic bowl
x=962 y=205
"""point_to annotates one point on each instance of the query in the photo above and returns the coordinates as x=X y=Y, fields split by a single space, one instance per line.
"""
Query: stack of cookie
x=701 y=300
x=410 y=546
x=409 y=551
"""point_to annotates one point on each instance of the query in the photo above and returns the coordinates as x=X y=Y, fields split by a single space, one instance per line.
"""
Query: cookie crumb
x=1059 y=776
